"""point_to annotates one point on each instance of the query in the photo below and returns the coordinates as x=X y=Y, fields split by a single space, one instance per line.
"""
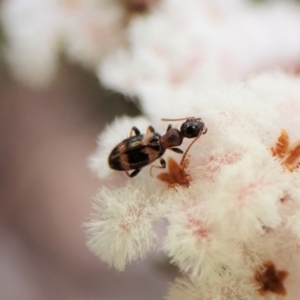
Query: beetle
x=140 y=150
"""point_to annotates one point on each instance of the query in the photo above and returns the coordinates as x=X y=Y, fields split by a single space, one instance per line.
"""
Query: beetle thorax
x=172 y=138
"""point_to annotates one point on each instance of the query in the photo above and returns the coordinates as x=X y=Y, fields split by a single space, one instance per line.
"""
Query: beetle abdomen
x=114 y=159
x=134 y=153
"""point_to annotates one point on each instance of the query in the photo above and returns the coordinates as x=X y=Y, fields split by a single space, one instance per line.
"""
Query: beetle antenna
x=163 y=119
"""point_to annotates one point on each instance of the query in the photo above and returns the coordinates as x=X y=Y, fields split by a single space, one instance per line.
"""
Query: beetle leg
x=150 y=129
x=169 y=127
x=190 y=145
x=134 y=173
x=162 y=166
x=135 y=131
x=177 y=150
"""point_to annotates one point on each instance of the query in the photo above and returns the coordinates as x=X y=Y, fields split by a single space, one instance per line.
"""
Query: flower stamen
x=139 y=6
x=176 y=175
x=270 y=279
x=289 y=156
x=282 y=145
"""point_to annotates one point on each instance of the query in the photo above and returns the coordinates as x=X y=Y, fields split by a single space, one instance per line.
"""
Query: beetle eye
x=191 y=131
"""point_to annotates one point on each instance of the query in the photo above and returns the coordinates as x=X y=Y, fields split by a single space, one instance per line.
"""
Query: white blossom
x=200 y=43
x=248 y=196
x=92 y=29
x=121 y=227
x=228 y=288
x=234 y=227
x=38 y=31
x=32 y=29
x=203 y=251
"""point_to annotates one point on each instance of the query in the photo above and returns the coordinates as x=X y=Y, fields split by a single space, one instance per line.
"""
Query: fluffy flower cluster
x=234 y=231
x=223 y=39
x=37 y=31
x=200 y=43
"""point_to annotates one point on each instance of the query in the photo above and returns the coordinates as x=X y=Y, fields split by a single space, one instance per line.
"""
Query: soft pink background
x=46 y=191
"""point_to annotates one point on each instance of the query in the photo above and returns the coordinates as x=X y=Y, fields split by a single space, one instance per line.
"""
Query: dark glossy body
x=136 y=152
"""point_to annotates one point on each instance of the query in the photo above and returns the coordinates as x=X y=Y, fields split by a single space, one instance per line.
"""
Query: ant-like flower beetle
x=140 y=150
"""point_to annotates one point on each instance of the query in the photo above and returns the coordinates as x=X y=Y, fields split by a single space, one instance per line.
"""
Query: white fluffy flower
x=121 y=227
x=233 y=224
x=247 y=196
x=201 y=43
x=92 y=29
x=37 y=31
x=203 y=251
x=32 y=29
x=229 y=288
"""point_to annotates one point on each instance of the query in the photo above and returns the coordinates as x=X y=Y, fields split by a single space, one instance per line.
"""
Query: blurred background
x=46 y=191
